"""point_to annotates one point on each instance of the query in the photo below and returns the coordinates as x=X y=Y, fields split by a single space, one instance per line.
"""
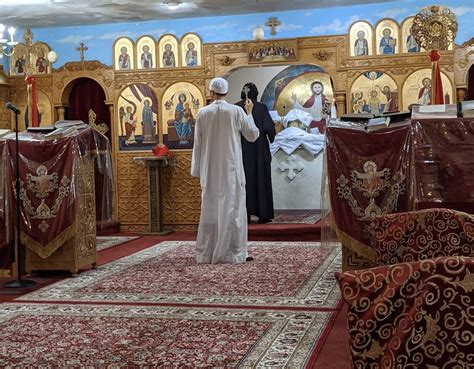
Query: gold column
x=461 y=93
x=5 y=114
x=340 y=103
x=114 y=150
x=112 y=120
x=61 y=112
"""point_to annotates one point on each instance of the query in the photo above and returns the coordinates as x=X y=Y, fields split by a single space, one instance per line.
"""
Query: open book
x=377 y=123
x=41 y=129
x=374 y=122
x=70 y=123
x=61 y=132
x=4 y=132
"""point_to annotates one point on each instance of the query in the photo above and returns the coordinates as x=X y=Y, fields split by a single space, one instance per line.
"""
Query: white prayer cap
x=219 y=86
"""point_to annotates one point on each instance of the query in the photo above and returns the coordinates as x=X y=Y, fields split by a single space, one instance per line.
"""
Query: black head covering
x=252 y=91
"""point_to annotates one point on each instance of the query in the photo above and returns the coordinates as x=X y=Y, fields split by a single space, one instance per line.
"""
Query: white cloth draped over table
x=217 y=161
x=297 y=115
x=291 y=138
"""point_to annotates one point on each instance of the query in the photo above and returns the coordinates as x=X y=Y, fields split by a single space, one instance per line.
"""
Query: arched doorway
x=87 y=95
x=84 y=100
x=470 y=83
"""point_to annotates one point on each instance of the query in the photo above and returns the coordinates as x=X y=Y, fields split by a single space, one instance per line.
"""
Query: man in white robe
x=217 y=161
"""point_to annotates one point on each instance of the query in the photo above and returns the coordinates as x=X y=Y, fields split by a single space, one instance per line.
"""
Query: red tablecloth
x=48 y=191
x=369 y=174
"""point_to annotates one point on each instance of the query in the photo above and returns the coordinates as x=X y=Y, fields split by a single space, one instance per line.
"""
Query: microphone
x=12 y=107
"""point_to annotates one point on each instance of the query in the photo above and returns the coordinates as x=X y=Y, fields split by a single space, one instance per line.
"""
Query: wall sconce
x=4 y=43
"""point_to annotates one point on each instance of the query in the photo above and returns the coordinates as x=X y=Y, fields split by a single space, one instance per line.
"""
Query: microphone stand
x=18 y=283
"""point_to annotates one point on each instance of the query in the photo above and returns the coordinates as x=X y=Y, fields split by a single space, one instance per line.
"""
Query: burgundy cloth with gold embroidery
x=422 y=234
x=369 y=174
x=444 y=163
x=47 y=187
x=411 y=315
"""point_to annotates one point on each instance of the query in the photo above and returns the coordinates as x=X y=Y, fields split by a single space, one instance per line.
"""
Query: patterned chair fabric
x=420 y=235
x=411 y=315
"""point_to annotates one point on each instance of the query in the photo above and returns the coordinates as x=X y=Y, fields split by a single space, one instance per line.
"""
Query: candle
x=333 y=109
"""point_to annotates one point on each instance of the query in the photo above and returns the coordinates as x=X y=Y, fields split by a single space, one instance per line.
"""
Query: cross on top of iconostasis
x=273 y=23
x=81 y=50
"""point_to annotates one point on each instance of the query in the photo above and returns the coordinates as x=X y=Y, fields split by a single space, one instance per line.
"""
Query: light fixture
x=52 y=56
x=258 y=33
x=5 y=43
x=172 y=4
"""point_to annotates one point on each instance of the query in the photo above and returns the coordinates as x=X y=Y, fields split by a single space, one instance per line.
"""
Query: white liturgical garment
x=217 y=161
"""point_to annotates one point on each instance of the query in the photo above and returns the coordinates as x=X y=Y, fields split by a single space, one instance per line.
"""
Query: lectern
x=155 y=166
x=57 y=197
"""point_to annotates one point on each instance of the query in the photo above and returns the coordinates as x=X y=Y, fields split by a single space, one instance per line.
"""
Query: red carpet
x=335 y=352
x=284 y=232
x=75 y=336
x=297 y=274
x=320 y=346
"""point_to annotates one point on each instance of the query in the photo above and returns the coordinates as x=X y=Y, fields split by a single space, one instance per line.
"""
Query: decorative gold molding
x=226 y=46
x=468 y=43
x=309 y=42
x=82 y=66
x=322 y=55
x=226 y=60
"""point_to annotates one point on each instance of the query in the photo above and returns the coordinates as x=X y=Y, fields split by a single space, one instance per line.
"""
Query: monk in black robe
x=257 y=159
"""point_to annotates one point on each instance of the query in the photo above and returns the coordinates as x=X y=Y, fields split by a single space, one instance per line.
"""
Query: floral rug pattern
x=104 y=242
x=122 y=336
x=294 y=216
x=291 y=274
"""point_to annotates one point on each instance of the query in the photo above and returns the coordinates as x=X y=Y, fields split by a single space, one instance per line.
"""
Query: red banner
x=437 y=96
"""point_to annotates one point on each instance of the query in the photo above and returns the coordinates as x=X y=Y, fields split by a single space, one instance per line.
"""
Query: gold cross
x=81 y=50
x=273 y=23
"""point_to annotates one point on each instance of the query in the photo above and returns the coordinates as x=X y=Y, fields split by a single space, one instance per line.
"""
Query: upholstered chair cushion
x=411 y=315
x=423 y=234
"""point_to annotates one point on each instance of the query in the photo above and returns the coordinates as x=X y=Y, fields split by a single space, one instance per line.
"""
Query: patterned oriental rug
x=104 y=242
x=123 y=336
x=293 y=216
x=283 y=274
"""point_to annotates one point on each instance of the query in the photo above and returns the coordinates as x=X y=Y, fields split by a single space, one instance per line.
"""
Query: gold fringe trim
x=48 y=249
x=5 y=273
x=360 y=248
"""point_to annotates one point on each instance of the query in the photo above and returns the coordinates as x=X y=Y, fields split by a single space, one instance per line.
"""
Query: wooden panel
x=132 y=193
x=181 y=194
